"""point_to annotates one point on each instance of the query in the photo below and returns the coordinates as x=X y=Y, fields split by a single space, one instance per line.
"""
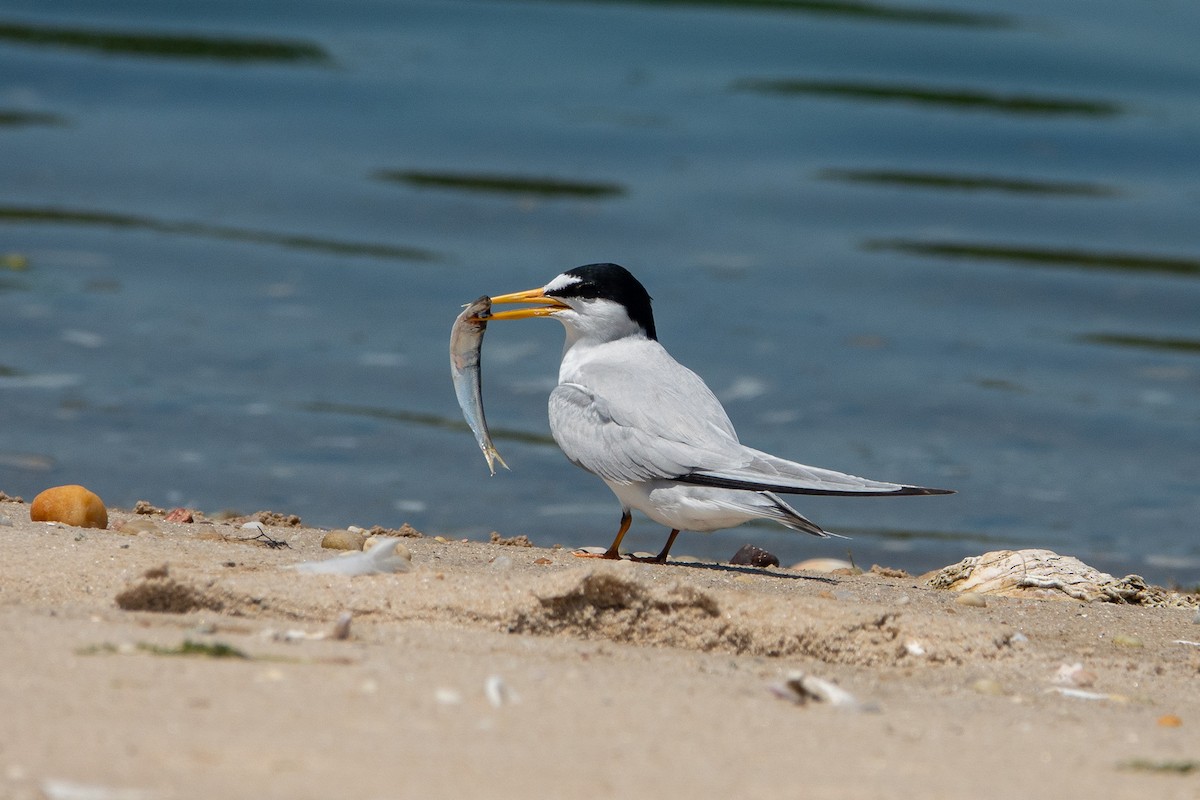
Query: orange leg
x=661 y=558
x=614 y=552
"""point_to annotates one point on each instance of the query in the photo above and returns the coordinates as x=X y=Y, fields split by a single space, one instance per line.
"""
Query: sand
x=181 y=660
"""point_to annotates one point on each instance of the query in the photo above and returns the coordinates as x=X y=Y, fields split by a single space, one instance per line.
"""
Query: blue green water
x=949 y=243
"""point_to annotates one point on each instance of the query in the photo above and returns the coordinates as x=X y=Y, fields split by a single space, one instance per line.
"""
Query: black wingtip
x=923 y=490
x=700 y=479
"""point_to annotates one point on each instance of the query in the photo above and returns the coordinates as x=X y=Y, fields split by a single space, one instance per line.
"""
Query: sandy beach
x=161 y=659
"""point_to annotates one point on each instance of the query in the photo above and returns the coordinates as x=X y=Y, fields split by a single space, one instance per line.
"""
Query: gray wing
x=595 y=435
x=650 y=418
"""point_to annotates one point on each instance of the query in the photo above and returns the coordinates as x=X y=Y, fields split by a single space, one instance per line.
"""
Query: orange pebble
x=1169 y=721
x=70 y=505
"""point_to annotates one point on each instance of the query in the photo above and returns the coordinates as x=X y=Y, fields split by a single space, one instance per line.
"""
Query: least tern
x=650 y=428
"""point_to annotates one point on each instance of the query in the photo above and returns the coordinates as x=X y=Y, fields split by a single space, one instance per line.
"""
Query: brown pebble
x=1169 y=721
x=755 y=557
x=70 y=505
x=343 y=540
x=543 y=560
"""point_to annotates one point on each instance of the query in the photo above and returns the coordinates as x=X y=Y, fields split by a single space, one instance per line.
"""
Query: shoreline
x=520 y=670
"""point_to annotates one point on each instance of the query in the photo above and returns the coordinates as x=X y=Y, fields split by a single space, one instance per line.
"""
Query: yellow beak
x=546 y=305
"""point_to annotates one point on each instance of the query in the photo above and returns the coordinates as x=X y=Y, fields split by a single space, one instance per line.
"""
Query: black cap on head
x=611 y=282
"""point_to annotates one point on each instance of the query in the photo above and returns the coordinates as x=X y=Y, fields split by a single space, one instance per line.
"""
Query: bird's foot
x=611 y=555
x=658 y=559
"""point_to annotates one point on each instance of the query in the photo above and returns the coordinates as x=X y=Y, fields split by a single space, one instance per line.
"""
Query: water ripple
x=61 y=216
x=1041 y=256
x=502 y=184
x=954 y=99
x=14 y=119
x=157 y=45
x=870 y=12
x=948 y=181
x=426 y=419
x=1162 y=343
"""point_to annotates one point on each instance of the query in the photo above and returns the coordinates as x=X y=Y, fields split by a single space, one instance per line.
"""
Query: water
x=953 y=244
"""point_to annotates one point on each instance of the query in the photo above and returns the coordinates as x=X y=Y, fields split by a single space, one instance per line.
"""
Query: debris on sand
x=801 y=688
x=753 y=556
x=388 y=556
x=1046 y=574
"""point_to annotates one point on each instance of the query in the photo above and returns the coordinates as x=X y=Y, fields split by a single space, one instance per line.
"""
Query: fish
x=466 y=341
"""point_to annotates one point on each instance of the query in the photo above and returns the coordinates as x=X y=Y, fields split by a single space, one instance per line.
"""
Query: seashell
x=1036 y=573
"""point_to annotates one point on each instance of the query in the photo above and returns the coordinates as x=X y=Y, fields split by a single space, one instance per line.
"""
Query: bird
x=651 y=429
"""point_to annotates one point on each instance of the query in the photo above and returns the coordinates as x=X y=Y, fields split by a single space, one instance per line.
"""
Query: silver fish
x=466 y=340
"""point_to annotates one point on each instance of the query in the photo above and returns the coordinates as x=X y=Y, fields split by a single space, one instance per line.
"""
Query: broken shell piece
x=754 y=556
x=383 y=559
x=914 y=648
x=179 y=515
x=1080 y=694
x=397 y=546
x=801 y=687
x=1036 y=573
x=823 y=565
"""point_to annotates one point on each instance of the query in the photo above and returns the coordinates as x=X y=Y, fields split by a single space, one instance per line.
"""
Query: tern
x=650 y=428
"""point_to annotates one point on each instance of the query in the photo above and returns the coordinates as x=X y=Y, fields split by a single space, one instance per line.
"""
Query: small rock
x=135 y=526
x=1121 y=640
x=70 y=505
x=511 y=541
x=755 y=557
x=343 y=540
x=972 y=600
x=145 y=507
x=1169 y=721
x=914 y=648
x=341 y=628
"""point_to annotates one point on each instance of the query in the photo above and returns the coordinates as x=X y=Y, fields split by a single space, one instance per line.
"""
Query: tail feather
x=791 y=518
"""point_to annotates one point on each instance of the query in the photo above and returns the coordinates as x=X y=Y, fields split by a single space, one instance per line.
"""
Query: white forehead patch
x=561 y=282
